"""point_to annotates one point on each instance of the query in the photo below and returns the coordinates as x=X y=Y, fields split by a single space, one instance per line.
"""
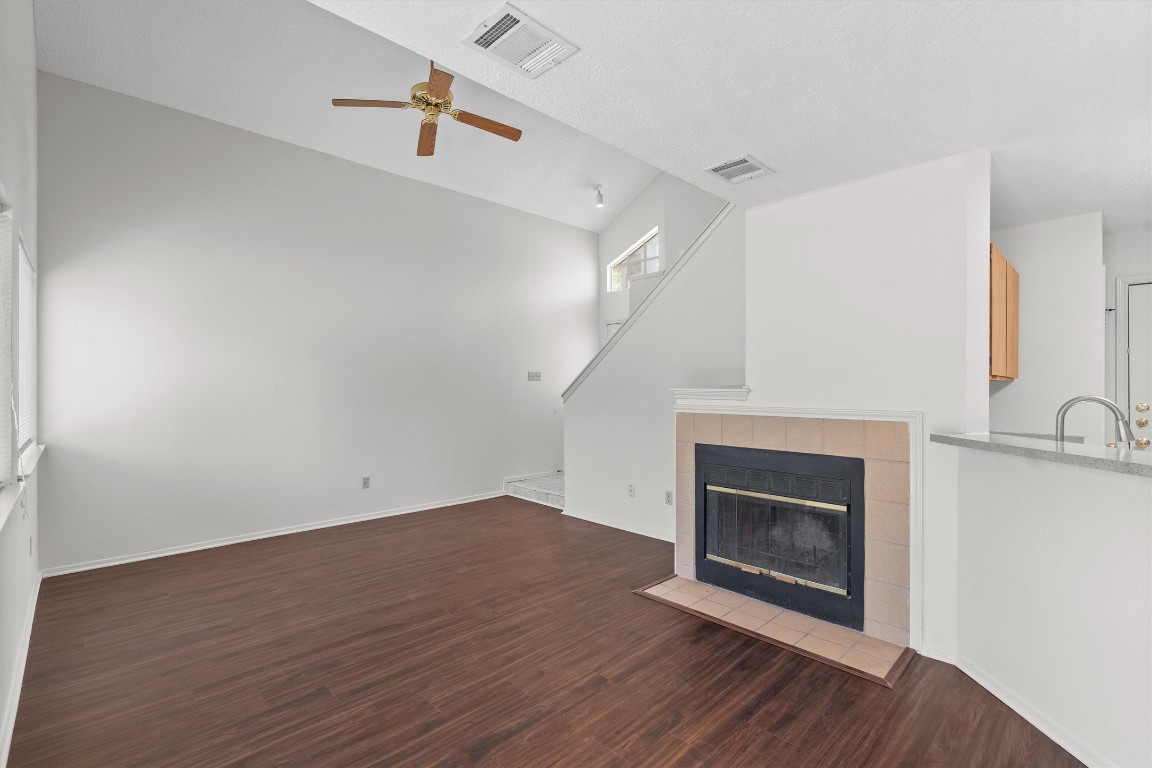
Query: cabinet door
x=998 y=317
x=1012 y=321
x=1004 y=318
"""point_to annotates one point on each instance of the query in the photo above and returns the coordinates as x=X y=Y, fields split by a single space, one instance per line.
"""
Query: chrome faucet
x=1123 y=430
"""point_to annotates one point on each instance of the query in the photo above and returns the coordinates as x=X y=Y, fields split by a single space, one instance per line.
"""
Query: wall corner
x=978 y=226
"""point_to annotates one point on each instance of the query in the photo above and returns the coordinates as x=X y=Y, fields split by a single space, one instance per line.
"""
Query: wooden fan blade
x=427 y=143
x=438 y=82
x=368 y=103
x=484 y=124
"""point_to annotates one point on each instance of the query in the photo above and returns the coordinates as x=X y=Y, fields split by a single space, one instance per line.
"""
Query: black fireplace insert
x=783 y=527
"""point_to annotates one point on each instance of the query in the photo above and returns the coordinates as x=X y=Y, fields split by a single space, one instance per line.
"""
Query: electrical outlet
x=364 y=482
x=631 y=490
x=533 y=375
x=668 y=497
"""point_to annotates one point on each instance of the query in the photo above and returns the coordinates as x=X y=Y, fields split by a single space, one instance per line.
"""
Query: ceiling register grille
x=497 y=31
x=740 y=169
x=513 y=39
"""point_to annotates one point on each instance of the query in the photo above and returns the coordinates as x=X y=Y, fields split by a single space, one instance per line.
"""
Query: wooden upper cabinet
x=1004 y=312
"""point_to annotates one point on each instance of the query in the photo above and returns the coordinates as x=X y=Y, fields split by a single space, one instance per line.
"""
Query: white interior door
x=1139 y=358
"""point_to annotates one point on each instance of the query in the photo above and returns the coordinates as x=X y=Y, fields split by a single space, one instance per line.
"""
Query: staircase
x=546 y=488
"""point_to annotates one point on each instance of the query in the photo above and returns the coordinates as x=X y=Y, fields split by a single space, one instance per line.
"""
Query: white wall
x=235 y=330
x=687 y=211
x=19 y=569
x=1055 y=585
x=1061 y=267
x=1126 y=253
x=873 y=296
x=18 y=115
x=680 y=210
x=619 y=425
x=634 y=221
x=639 y=286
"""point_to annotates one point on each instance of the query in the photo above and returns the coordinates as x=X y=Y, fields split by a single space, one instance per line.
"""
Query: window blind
x=26 y=369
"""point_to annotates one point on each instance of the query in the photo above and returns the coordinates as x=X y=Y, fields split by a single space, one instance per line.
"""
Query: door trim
x=1122 y=286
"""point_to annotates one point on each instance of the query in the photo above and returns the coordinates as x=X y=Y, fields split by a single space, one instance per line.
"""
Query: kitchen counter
x=1053 y=581
x=1123 y=461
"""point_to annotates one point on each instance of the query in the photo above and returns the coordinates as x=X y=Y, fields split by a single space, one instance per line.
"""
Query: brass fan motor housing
x=431 y=107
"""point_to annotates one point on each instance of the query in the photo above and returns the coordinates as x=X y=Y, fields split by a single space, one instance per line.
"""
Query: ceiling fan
x=434 y=99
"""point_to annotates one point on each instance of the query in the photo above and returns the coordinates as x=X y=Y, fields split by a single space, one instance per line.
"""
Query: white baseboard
x=13 y=694
x=1034 y=715
x=536 y=501
x=938 y=652
x=621 y=525
x=60 y=570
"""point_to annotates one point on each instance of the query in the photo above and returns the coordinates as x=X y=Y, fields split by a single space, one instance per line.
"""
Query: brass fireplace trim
x=777 y=575
x=774 y=497
x=766 y=571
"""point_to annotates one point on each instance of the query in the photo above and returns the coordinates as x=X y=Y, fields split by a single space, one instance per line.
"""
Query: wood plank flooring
x=498 y=634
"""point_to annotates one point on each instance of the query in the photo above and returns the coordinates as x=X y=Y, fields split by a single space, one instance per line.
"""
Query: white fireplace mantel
x=735 y=392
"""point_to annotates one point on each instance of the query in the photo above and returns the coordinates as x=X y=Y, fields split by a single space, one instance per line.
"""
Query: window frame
x=628 y=253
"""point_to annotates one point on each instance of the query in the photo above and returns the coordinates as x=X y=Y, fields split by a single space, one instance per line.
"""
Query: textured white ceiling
x=827 y=92
x=273 y=66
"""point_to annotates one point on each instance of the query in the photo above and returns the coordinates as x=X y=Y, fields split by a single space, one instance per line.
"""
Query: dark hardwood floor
x=497 y=633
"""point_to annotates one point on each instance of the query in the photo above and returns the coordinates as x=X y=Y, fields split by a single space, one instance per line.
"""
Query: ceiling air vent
x=513 y=39
x=741 y=169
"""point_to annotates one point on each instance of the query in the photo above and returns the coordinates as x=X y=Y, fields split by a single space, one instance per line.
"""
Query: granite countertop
x=1123 y=461
x=1038 y=436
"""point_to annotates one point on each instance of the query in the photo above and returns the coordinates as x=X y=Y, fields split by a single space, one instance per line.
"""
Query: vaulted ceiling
x=273 y=66
x=823 y=92
x=827 y=92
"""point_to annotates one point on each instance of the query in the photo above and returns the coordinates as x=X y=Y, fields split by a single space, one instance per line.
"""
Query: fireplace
x=783 y=527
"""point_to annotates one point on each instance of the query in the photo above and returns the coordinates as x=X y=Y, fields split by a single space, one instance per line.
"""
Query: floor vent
x=740 y=169
x=513 y=39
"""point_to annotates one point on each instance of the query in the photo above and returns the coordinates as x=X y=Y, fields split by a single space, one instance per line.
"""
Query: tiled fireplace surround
x=884 y=446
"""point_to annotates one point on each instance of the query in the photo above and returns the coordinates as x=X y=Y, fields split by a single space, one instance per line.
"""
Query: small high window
x=641 y=259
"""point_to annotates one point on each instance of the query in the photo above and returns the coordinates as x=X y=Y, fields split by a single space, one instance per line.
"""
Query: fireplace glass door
x=795 y=540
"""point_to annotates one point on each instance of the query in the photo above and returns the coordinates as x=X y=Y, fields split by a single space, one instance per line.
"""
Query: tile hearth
x=838 y=646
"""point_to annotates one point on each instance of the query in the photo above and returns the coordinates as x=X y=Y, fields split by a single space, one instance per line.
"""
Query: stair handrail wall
x=669 y=275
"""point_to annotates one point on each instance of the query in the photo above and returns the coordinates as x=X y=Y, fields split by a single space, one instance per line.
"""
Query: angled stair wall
x=618 y=421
